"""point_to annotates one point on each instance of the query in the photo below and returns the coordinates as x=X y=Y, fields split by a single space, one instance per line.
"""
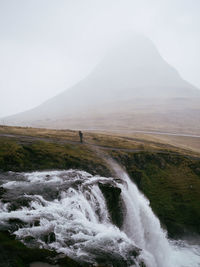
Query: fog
x=46 y=46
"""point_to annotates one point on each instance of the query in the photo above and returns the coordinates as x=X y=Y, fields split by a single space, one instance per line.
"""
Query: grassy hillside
x=40 y=155
x=104 y=138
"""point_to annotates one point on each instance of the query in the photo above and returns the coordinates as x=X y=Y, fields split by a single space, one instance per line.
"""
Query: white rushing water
x=67 y=211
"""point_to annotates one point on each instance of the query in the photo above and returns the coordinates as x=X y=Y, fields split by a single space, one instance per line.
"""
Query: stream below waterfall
x=67 y=211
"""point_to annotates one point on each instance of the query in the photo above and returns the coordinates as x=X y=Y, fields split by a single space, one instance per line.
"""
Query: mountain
x=132 y=76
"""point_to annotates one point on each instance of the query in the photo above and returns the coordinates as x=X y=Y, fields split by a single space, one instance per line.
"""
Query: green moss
x=11 y=154
x=46 y=155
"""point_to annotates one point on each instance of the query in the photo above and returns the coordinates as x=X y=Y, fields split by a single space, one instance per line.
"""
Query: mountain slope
x=132 y=70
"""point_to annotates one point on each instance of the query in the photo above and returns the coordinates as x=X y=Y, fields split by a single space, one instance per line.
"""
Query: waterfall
x=141 y=225
x=68 y=211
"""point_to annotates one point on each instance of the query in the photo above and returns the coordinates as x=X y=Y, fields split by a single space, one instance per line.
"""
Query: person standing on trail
x=81 y=136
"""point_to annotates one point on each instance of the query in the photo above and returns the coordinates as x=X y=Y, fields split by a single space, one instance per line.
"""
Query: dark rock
x=114 y=203
x=135 y=252
x=17 y=203
x=50 y=193
x=2 y=191
x=15 y=224
x=49 y=238
x=37 y=223
x=28 y=239
x=14 y=253
x=142 y=264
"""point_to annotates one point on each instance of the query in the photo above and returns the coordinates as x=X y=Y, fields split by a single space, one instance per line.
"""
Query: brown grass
x=140 y=141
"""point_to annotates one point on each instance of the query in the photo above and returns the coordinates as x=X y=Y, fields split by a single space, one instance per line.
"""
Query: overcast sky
x=48 y=45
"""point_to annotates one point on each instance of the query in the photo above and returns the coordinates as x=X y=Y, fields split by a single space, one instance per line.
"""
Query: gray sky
x=48 y=45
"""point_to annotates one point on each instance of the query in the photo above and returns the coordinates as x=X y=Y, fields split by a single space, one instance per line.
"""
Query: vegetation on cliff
x=172 y=185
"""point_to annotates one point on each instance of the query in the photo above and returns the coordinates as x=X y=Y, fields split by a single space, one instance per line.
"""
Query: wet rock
x=14 y=253
x=142 y=264
x=49 y=238
x=2 y=191
x=36 y=223
x=28 y=239
x=15 y=224
x=135 y=252
x=114 y=203
x=108 y=258
x=50 y=193
x=18 y=203
x=111 y=258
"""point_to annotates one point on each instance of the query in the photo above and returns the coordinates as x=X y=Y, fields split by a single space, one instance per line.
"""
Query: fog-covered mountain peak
x=133 y=68
x=135 y=62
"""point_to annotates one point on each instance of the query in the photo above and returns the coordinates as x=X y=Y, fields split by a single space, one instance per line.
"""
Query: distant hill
x=132 y=82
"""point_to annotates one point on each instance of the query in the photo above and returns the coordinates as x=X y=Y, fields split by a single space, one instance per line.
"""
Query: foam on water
x=66 y=211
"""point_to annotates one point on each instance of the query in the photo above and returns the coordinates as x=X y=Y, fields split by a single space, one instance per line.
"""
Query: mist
x=49 y=46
